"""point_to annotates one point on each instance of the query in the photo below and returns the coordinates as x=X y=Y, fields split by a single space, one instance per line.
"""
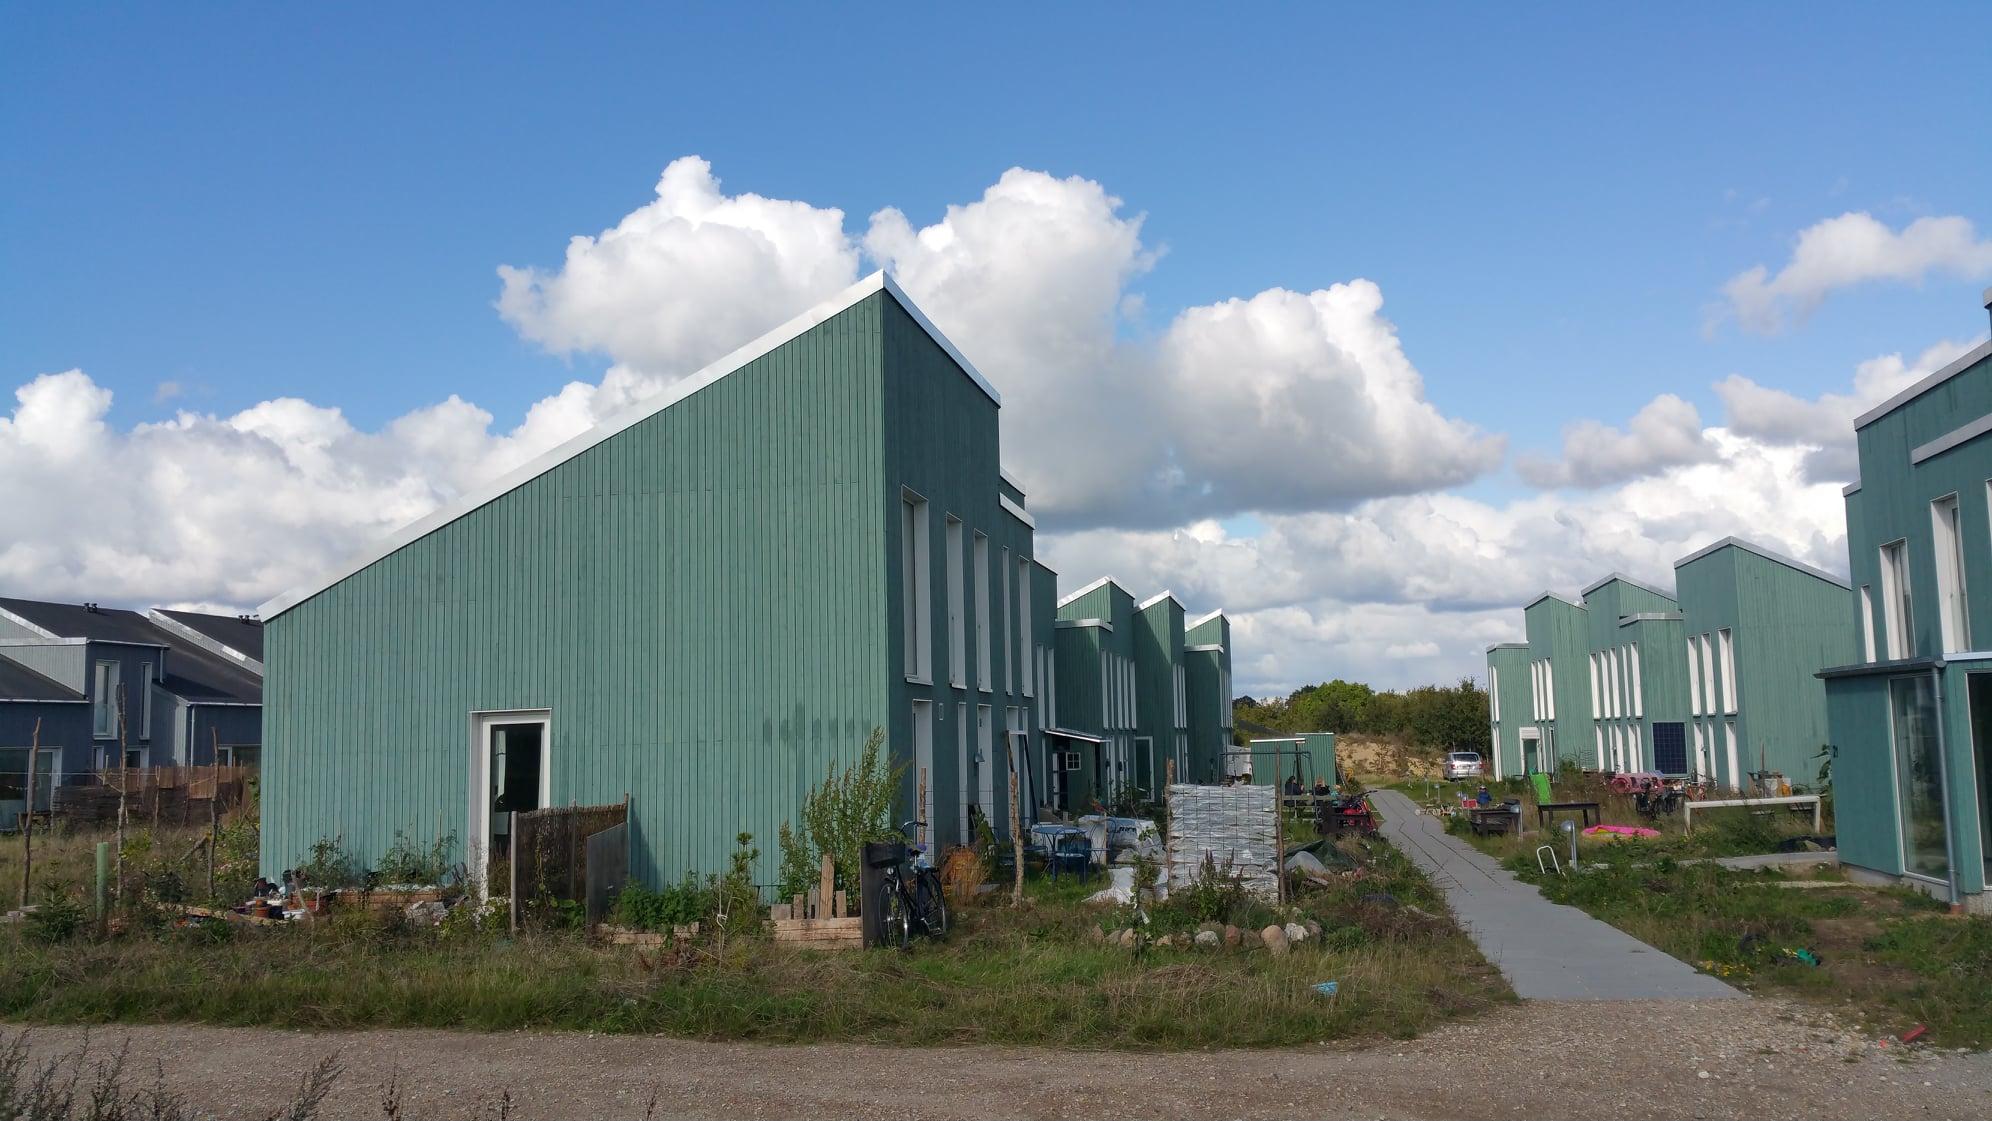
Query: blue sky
x=254 y=203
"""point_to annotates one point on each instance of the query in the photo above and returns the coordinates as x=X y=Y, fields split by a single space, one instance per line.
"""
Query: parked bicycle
x=910 y=900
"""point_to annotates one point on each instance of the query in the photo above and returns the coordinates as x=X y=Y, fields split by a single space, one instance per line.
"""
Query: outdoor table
x=1588 y=811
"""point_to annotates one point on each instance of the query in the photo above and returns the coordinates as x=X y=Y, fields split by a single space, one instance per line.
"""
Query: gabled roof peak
x=880 y=281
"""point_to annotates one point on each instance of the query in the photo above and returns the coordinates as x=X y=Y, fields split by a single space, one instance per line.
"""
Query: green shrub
x=407 y=863
x=58 y=917
x=680 y=904
x=331 y=865
x=839 y=815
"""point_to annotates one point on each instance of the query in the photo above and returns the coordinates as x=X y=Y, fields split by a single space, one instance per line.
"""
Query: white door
x=511 y=771
x=1729 y=746
x=923 y=762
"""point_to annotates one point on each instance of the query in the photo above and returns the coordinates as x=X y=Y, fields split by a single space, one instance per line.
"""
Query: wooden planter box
x=821 y=934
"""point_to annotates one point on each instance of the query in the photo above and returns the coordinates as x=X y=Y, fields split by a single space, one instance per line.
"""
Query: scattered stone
x=1233 y=936
x=1276 y=940
x=1096 y=934
x=1313 y=928
x=1251 y=940
x=1128 y=937
x=427 y=913
x=1207 y=938
x=1295 y=932
x=1213 y=927
x=1166 y=940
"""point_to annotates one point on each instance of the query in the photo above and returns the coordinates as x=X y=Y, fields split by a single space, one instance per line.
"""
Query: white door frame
x=482 y=721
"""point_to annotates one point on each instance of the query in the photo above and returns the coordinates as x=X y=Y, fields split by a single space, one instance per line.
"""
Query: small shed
x=1306 y=755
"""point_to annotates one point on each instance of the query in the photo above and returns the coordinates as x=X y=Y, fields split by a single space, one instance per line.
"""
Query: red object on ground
x=1914 y=1033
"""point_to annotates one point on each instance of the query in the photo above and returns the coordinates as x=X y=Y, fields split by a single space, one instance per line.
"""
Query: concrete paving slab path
x=1546 y=950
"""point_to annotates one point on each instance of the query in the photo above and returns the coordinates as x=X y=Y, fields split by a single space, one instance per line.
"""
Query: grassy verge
x=1028 y=975
x=1890 y=958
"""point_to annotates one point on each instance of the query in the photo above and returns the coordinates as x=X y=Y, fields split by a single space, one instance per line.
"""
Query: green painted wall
x=941 y=441
x=1158 y=656
x=1787 y=625
x=1508 y=694
x=1207 y=668
x=1892 y=503
x=1558 y=632
x=706 y=601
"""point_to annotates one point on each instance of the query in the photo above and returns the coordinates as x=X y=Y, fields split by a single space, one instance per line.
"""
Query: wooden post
x=920 y=809
x=28 y=819
x=117 y=890
x=214 y=810
x=1016 y=828
x=826 y=889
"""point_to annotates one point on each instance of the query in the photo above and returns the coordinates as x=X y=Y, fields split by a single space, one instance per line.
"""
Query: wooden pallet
x=820 y=934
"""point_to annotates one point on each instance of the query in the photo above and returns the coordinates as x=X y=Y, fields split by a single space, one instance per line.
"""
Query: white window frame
x=1897 y=603
x=957 y=606
x=146 y=676
x=1708 y=672
x=917 y=600
x=482 y=722
x=1494 y=699
x=1947 y=538
x=980 y=549
x=106 y=676
x=1025 y=651
x=1726 y=642
x=1009 y=632
x=1694 y=679
x=1867 y=621
x=1638 y=690
x=1549 y=688
x=962 y=772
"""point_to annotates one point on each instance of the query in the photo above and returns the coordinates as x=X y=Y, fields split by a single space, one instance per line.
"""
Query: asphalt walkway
x=1546 y=950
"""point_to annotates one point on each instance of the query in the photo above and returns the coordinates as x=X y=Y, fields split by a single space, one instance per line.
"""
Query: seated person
x=1293 y=789
x=1321 y=788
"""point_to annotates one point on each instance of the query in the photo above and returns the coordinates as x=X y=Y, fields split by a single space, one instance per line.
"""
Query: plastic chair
x=1071 y=852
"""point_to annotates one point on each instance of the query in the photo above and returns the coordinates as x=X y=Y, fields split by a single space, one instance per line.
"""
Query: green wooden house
x=1759 y=628
x=1910 y=722
x=1637 y=674
x=1559 y=726
x=1161 y=710
x=1207 y=677
x=1508 y=701
x=701 y=604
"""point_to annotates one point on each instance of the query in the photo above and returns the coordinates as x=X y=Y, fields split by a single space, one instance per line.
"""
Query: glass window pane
x=1918 y=776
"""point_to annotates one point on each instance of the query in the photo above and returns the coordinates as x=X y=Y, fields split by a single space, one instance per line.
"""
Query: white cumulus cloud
x=1852 y=249
x=1665 y=432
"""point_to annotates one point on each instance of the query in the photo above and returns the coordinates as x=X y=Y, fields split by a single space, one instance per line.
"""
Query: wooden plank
x=838 y=908
x=826 y=888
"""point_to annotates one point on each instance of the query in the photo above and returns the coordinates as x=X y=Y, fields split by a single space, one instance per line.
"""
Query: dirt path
x=1763 y=1059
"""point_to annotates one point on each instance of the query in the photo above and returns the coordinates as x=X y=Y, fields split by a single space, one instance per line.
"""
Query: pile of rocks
x=1275 y=939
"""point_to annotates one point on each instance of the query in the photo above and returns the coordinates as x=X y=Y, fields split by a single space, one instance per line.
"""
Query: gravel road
x=1733 y=1058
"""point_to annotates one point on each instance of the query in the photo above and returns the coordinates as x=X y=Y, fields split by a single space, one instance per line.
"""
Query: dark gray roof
x=74 y=620
x=190 y=671
x=202 y=675
x=231 y=631
x=19 y=683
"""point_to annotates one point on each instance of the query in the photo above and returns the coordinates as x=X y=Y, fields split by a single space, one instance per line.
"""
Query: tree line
x=1442 y=716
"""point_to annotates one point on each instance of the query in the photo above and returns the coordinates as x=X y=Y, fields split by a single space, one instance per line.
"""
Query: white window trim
x=919 y=594
x=1867 y=621
x=1638 y=689
x=983 y=670
x=957 y=605
x=1898 y=603
x=1694 y=680
x=1025 y=651
x=1947 y=539
x=481 y=723
x=104 y=696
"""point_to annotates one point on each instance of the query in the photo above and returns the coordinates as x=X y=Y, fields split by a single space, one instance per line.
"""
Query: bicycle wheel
x=895 y=920
x=933 y=903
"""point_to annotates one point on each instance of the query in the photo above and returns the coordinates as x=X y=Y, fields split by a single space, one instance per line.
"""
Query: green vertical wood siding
x=1511 y=686
x=701 y=600
x=1559 y=632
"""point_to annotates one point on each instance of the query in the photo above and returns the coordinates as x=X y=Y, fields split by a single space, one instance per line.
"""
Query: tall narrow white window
x=1708 y=673
x=1897 y=620
x=918 y=602
x=1009 y=648
x=1611 y=683
x=1549 y=688
x=1948 y=536
x=923 y=758
x=145 y=677
x=1594 y=682
x=1867 y=621
x=981 y=608
x=1727 y=642
x=1638 y=690
x=1494 y=693
x=1535 y=690
x=1051 y=687
x=1024 y=652
x=1106 y=692
x=962 y=773
x=104 y=701
x=1694 y=679
x=957 y=608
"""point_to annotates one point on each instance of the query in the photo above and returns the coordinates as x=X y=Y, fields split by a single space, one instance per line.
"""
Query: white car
x=1462 y=764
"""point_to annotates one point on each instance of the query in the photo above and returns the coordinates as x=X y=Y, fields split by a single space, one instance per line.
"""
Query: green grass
x=1891 y=957
x=1029 y=975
